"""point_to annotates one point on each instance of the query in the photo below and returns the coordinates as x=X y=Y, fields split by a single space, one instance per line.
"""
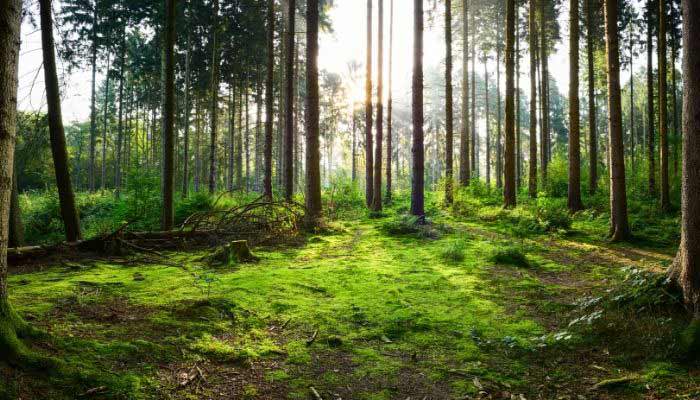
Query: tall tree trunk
x=93 y=110
x=103 y=173
x=168 y=175
x=313 y=175
x=231 y=141
x=674 y=105
x=120 y=121
x=532 y=26
x=418 y=182
x=544 y=54
x=247 y=139
x=475 y=138
x=663 y=110
x=449 y=139
x=214 y=97
x=509 y=190
x=574 y=198
x=486 y=117
x=389 y=127
x=499 y=133
x=619 y=227
x=369 y=148
x=16 y=233
x=188 y=106
x=197 y=141
x=69 y=213
x=289 y=102
x=354 y=147
x=240 y=185
x=464 y=171
x=269 y=101
x=518 y=129
x=650 y=103
x=377 y=162
x=686 y=268
x=592 y=131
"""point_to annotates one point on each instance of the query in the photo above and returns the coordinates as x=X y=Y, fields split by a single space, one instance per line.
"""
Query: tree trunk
x=475 y=138
x=449 y=139
x=518 y=129
x=103 y=173
x=16 y=235
x=486 y=117
x=574 y=198
x=544 y=139
x=389 y=128
x=120 y=121
x=418 y=182
x=313 y=175
x=71 y=221
x=650 y=104
x=247 y=139
x=186 y=137
x=214 y=97
x=240 y=185
x=663 y=111
x=509 y=189
x=377 y=162
x=369 y=148
x=230 y=143
x=532 y=25
x=592 y=132
x=674 y=105
x=354 y=148
x=464 y=172
x=93 y=110
x=686 y=268
x=499 y=126
x=289 y=102
x=168 y=175
x=619 y=227
x=269 y=101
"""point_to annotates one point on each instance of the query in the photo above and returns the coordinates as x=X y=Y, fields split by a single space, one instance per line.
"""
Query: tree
x=186 y=137
x=214 y=95
x=418 y=182
x=509 y=189
x=464 y=171
x=289 y=102
x=663 y=110
x=532 y=24
x=168 y=173
x=574 y=195
x=686 y=267
x=650 y=99
x=69 y=213
x=313 y=173
x=377 y=177
x=448 y=104
x=544 y=55
x=269 y=101
x=389 y=127
x=619 y=226
x=592 y=133
x=369 y=168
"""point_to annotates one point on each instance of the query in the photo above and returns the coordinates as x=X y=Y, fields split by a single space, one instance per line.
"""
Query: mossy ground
x=359 y=313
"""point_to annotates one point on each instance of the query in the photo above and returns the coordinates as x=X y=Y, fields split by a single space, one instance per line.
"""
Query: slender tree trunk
x=16 y=233
x=289 y=102
x=518 y=129
x=619 y=227
x=354 y=147
x=313 y=176
x=69 y=213
x=509 y=189
x=464 y=172
x=499 y=133
x=686 y=268
x=269 y=101
x=487 y=115
x=389 y=130
x=188 y=106
x=247 y=139
x=544 y=54
x=103 y=174
x=650 y=105
x=532 y=26
x=214 y=97
x=574 y=198
x=663 y=111
x=449 y=134
x=475 y=138
x=592 y=132
x=93 y=110
x=230 y=145
x=197 y=142
x=168 y=175
x=240 y=185
x=674 y=105
x=369 y=148
x=377 y=162
x=418 y=182
x=120 y=121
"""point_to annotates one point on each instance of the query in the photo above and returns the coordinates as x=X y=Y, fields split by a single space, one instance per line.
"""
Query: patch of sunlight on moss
x=298 y=352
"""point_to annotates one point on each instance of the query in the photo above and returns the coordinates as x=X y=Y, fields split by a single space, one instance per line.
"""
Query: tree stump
x=234 y=252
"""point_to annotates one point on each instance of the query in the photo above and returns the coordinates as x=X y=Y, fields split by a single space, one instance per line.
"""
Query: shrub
x=402 y=225
x=197 y=203
x=552 y=215
x=454 y=251
x=509 y=255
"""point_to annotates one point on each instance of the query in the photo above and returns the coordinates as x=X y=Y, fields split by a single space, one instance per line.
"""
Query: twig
x=317 y=396
x=312 y=338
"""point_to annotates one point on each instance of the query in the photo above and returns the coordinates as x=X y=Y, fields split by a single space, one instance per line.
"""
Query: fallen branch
x=317 y=396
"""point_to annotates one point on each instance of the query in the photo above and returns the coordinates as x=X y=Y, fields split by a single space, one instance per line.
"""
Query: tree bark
x=214 y=97
x=188 y=106
x=663 y=111
x=418 y=182
x=475 y=138
x=93 y=110
x=532 y=23
x=369 y=148
x=120 y=119
x=592 y=132
x=509 y=189
x=487 y=115
x=16 y=235
x=464 y=170
x=499 y=124
x=313 y=156
x=103 y=173
x=269 y=101
x=686 y=268
x=544 y=139
x=619 y=227
x=168 y=173
x=377 y=162
x=289 y=102
x=449 y=134
x=650 y=104
x=574 y=195
x=71 y=221
x=389 y=127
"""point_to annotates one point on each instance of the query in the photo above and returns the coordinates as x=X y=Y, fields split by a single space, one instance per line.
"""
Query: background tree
x=168 y=174
x=369 y=166
x=377 y=162
x=313 y=175
x=418 y=181
x=449 y=140
x=663 y=110
x=464 y=164
x=532 y=182
x=574 y=197
x=509 y=189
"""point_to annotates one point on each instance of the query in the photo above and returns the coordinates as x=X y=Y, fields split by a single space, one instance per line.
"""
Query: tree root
x=13 y=350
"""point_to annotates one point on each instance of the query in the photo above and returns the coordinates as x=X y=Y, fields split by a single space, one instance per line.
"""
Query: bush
x=454 y=251
x=552 y=215
x=402 y=225
x=509 y=255
x=197 y=203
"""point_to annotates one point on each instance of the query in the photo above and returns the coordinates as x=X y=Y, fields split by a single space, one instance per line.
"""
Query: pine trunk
x=93 y=110
x=418 y=182
x=509 y=190
x=369 y=148
x=289 y=102
x=313 y=175
x=269 y=101
x=650 y=105
x=574 y=195
x=377 y=162
x=449 y=135
x=663 y=111
x=592 y=132
x=214 y=97
x=168 y=173
x=532 y=24
x=389 y=127
x=464 y=172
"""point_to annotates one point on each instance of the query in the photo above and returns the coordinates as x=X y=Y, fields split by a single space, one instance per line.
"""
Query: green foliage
x=402 y=225
x=198 y=202
x=509 y=255
x=552 y=215
x=343 y=199
x=453 y=251
x=557 y=183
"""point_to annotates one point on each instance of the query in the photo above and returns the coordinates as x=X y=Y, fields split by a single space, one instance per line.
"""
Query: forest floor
x=467 y=312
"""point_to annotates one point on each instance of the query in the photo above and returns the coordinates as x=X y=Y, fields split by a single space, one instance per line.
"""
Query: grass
x=372 y=309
